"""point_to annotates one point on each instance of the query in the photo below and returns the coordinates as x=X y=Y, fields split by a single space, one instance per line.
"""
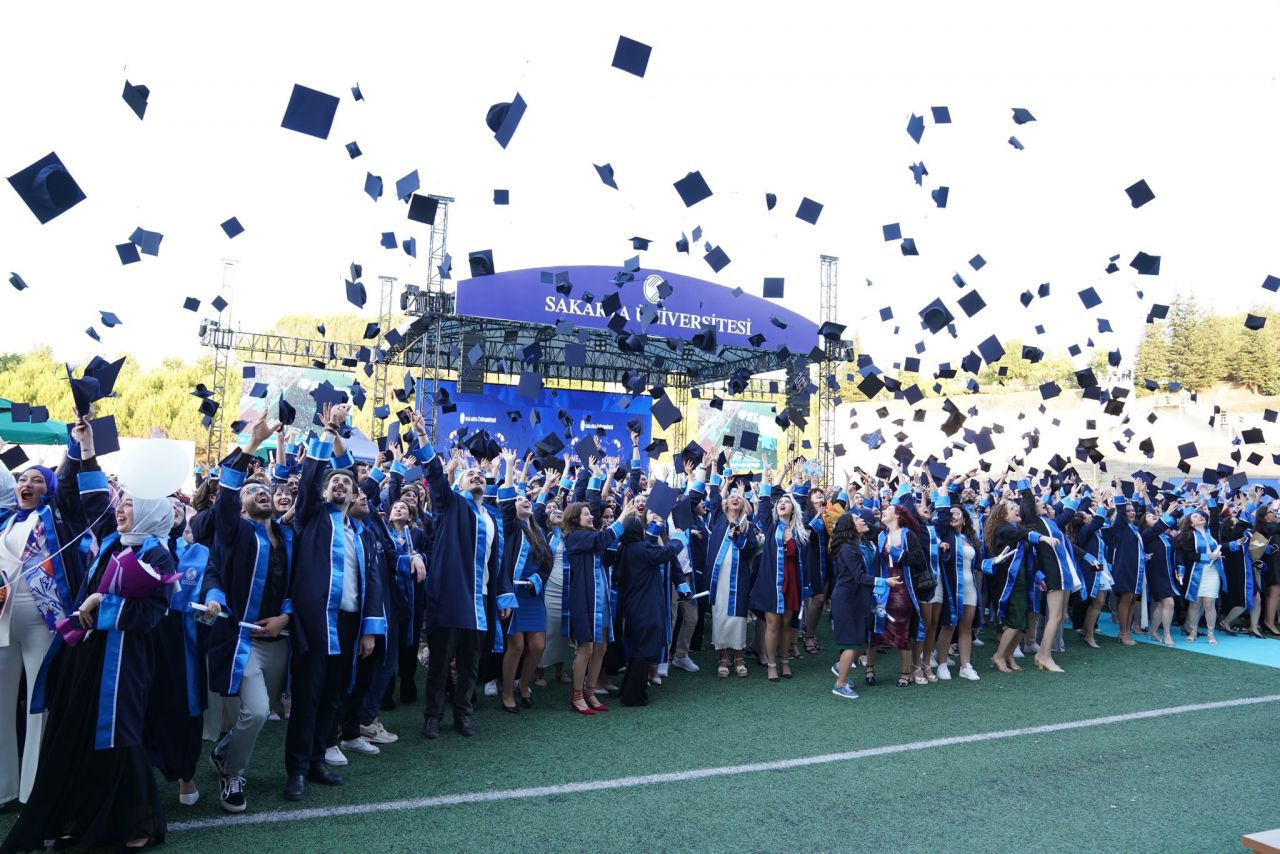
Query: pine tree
x=1152 y=361
x=1196 y=357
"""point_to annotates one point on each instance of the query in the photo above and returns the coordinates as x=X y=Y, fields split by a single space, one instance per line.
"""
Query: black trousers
x=318 y=682
x=353 y=702
x=445 y=645
x=406 y=669
x=634 y=690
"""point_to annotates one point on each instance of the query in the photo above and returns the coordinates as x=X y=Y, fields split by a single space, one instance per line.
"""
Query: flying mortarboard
x=503 y=119
x=606 y=175
x=692 y=189
x=915 y=127
x=1139 y=194
x=47 y=188
x=809 y=211
x=310 y=112
x=631 y=56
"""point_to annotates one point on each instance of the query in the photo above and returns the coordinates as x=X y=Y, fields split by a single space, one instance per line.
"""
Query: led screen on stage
x=586 y=410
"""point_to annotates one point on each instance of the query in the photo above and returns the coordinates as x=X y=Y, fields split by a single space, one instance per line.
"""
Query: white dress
x=728 y=632
x=1210 y=583
x=966 y=571
x=557 y=649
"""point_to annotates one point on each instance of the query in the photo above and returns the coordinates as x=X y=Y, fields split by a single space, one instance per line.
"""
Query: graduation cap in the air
x=481 y=263
x=661 y=499
x=936 y=316
x=47 y=188
x=692 y=189
x=809 y=211
x=915 y=127
x=1139 y=194
x=1021 y=115
x=606 y=175
x=717 y=259
x=503 y=118
x=310 y=112
x=631 y=56
x=773 y=288
x=1146 y=265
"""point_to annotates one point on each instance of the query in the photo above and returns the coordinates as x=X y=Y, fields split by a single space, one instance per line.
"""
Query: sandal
x=1212 y=640
x=773 y=672
x=918 y=677
x=722 y=669
x=930 y=675
x=1257 y=634
x=870 y=678
x=904 y=680
x=740 y=666
x=786 y=674
x=811 y=646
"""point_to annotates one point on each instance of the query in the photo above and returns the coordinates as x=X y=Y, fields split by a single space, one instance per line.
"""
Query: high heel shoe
x=786 y=674
x=577 y=698
x=772 y=673
x=999 y=664
x=527 y=702
x=513 y=709
x=918 y=677
x=740 y=666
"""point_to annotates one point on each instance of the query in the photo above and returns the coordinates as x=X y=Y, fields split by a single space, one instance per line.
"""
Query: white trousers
x=29 y=640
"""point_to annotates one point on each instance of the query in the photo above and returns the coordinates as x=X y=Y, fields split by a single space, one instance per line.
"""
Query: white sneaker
x=655 y=679
x=944 y=672
x=359 y=745
x=664 y=670
x=1032 y=648
x=491 y=688
x=376 y=733
x=1017 y=652
x=189 y=800
x=967 y=672
x=684 y=662
x=978 y=642
x=333 y=756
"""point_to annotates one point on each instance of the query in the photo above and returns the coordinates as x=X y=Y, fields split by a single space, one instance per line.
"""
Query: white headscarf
x=152 y=517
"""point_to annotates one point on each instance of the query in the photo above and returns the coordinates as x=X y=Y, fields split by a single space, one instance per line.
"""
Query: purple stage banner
x=530 y=296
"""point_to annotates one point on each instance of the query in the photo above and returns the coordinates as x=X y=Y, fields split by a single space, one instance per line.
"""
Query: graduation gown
x=852 y=600
x=590 y=605
x=643 y=588
x=236 y=577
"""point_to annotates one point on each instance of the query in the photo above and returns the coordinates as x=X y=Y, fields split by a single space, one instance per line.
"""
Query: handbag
x=924 y=580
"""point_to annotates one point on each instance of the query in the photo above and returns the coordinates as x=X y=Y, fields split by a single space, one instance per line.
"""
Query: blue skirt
x=531 y=615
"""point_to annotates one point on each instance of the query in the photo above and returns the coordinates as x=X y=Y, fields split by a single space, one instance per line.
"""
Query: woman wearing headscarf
x=94 y=785
x=642 y=575
x=40 y=572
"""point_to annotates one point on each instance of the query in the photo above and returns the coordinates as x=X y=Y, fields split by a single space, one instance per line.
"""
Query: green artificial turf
x=1195 y=781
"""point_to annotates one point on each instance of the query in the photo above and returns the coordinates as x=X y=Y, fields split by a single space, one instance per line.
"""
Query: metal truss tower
x=826 y=394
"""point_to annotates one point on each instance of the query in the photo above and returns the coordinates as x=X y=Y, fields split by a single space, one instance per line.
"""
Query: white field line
x=305 y=814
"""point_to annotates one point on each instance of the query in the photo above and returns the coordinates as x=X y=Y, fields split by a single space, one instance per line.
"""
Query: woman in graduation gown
x=590 y=611
x=729 y=551
x=853 y=589
x=1124 y=544
x=1010 y=586
x=1202 y=556
x=782 y=582
x=40 y=571
x=176 y=704
x=643 y=577
x=549 y=514
x=1240 y=592
x=94 y=785
x=1162 y=557
x=900 y=556
x=526 y=560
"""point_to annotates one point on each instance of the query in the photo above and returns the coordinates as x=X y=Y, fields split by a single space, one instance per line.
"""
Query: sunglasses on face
x=253 y=490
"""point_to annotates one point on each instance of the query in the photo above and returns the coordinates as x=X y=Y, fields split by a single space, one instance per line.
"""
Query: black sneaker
x=231 y=791
x=431 y=728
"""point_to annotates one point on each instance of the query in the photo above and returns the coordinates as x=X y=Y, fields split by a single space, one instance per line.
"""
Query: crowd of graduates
x=305 y=583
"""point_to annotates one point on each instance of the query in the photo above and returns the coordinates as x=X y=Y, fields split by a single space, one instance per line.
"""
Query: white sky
x=796 y=99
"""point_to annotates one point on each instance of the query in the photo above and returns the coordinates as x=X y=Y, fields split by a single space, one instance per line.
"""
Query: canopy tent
x=29 y=433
